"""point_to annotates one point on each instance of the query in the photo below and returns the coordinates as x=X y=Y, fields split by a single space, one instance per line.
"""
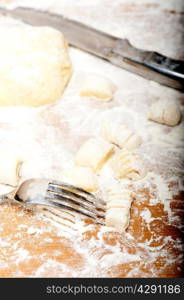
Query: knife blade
x=148 y=64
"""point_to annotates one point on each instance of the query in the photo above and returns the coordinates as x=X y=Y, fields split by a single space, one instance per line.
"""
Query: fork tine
x=70 y=187
x=78 y=191
x=70 y=198
x=70 y=195
x=66 y=203
x=79 y=195
x=73 y=199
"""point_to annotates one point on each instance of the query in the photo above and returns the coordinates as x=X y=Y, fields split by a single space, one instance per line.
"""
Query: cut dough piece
x=126 y=164
x=118 y=199
x=165 y=112
x=9 y=168
x=120 y=135
x=97 y=86
x=119 y=195
x=119 y=203
x=34 y=65
x=81 y=177
x=93 y=153
x=117 y=217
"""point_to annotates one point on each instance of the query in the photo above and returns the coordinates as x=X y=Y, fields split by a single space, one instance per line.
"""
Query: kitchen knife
x=148 y=64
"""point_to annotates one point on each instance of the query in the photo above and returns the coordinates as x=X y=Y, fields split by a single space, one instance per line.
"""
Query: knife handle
x=148 y=64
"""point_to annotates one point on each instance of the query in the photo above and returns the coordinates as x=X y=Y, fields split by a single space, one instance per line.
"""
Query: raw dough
x=9 y=167
x=93 y=153
x=126 y=164
x=81 y=177
x=97 y=86
x=34 y=65
x=165 y=112
x=117 y=217
x=118 y=196
x=118 y=208
x=118 y=134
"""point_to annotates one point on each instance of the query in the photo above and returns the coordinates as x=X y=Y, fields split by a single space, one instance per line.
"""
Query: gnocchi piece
x=165 y=112
x=97 y=86
x=93 y=153
x=126 y=164
x=118 y=200
x=120 y=135
x=9 y=168
x=121 y=196
x=117 y=217
x=81 y=177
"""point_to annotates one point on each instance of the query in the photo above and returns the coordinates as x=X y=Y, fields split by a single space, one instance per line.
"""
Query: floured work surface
x=33 y=244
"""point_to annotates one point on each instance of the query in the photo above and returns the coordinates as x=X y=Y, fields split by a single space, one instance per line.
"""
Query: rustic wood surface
x=24 y=251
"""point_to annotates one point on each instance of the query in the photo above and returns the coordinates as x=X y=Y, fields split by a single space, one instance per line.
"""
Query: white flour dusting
x=146 y=215
x=48 y=137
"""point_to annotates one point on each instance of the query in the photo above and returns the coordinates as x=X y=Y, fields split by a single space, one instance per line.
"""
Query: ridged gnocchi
x=118 y=208
x=93 y=153
x=118 y=197
x=97 y=86
x=118 y=134
x=165 y=112
x=127 y=164
x=81 y=177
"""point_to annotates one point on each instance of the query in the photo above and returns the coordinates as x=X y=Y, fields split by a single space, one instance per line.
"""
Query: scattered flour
x=146 y=215
x=48 y=137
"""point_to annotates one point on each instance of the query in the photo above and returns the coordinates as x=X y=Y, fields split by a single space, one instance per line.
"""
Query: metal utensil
x=148 y=64
x=60 y=195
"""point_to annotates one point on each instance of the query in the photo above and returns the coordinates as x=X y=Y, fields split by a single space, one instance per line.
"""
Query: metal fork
x=46 y=192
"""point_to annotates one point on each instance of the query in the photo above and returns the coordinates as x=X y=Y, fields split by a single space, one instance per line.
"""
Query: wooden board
x=33 y=245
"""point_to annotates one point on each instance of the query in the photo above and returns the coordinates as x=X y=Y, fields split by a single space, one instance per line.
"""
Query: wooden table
x=31 y=245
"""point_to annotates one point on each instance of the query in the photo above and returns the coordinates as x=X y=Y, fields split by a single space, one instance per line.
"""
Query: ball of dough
x=34 y=65
x=165 y=112
x=97 y=86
